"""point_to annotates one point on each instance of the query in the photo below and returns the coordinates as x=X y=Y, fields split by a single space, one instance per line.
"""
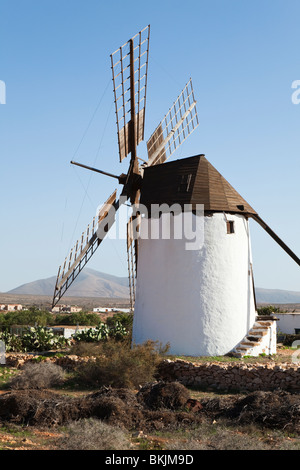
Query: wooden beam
x=276 y=238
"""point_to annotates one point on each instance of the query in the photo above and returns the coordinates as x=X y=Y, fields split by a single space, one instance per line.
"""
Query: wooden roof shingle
x=192 y=180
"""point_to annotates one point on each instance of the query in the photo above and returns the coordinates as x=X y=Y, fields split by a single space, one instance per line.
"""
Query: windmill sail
x=85 y=247
x=129 y=66
x=133 y=227
x=180 y=121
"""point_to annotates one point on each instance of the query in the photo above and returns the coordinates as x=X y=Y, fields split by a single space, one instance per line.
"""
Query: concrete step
x=263 y=323
x=258 y=333
x=241 y=349
x=253 y=342
x=241 y=352
x=253 y=338
x=249 y=344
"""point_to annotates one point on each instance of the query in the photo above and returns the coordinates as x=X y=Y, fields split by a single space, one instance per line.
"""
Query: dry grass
x=93 y=434
x=222 y=436
x=38 y=376
x=118 y=365
x=283 y=355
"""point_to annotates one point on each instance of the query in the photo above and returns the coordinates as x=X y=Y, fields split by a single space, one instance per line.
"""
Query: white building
x=110 y=309
x=66 y=309
x=289 y=323
x=11 y=307
x=101 y=310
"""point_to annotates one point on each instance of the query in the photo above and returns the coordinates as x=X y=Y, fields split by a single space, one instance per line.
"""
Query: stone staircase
x=261 y=339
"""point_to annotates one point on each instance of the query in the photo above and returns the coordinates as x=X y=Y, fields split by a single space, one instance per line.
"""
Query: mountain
x=277 y=296
x=89 y=283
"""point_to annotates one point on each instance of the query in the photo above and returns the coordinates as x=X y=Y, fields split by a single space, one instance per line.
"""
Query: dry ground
x=45 y=301
x=155 y=419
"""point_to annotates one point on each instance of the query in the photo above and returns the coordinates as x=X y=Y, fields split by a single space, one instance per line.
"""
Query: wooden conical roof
x=193 y=181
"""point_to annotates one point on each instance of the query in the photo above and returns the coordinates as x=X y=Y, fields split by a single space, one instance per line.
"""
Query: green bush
x=42 y=339
x=101 y=332
x=77 y=318
x=118 y=365
x=34 y=339
x=268 y=310
x=31 y=317
x=13 y=343
x=125 y=319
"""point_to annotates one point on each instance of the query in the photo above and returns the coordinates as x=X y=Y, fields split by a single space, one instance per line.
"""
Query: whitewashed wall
x=288 y=322
x=200 y=301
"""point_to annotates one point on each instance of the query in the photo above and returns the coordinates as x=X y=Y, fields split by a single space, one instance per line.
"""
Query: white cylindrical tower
x=199 y=300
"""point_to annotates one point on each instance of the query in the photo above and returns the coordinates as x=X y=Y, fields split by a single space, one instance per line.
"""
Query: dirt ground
x=35 y=419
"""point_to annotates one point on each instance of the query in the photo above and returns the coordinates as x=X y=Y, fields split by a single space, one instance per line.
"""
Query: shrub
x=32 y=316
x=13 y=343
x=211 y=437
x=92 y=335
x=77 y=318
x=126 y=320
x=160 y=395
x=42 y=339
x=83 y=349
x=93 y=434
x=102 y=332
x=268 y=310
x=119 y=365
x=34 y=339
x=288 y=339
x=38 y=376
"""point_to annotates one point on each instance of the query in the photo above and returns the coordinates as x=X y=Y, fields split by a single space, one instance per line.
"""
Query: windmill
x=129 y=65
x=200 y=300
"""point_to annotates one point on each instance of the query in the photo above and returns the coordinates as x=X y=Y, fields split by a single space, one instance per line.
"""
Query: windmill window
x=184 y=183
x=230 y=226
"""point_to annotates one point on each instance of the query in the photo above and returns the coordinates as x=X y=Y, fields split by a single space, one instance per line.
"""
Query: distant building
x=75 y=309
x=289 y=323
x=68 y=331
x=66 y=309
x=110 y=309
x=122 y=310
x=102 y=310
x=10 y=307
x=56 y=309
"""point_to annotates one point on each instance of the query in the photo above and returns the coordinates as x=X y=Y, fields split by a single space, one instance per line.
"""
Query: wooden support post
x=276 y=238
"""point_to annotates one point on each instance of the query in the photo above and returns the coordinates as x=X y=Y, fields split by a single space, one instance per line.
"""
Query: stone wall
x=233 y=376
x=212 y=375
x=18 y=360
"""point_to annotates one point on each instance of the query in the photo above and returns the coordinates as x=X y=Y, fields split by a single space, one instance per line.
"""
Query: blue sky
x=55 y=61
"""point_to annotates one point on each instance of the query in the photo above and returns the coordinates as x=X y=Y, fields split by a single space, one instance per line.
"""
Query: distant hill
x=89 y=283
x=92 y=283
x=277 y=296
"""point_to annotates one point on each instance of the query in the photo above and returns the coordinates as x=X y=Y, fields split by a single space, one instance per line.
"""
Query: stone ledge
x=231 y=376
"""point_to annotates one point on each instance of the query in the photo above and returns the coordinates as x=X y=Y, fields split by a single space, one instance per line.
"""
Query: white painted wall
x=200 y=301
x=288 y=322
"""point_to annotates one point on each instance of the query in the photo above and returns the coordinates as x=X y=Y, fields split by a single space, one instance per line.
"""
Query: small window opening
x=184 y=183
x=230 y=226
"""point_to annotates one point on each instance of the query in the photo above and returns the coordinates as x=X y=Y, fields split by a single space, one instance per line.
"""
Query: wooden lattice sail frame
x=129 y=64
